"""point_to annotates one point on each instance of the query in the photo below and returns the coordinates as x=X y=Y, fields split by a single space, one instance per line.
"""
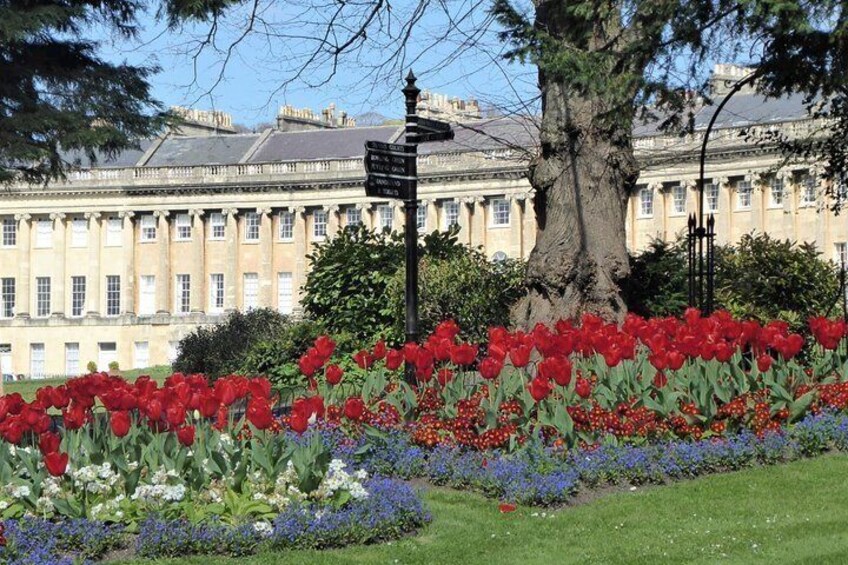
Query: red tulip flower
x=120 y=423
x=185 y=435
x=540 y=388
x=49 y=442
x=363 y=359
x=334 y=374
x=175 y=414
x=394 y=359
x=259 y=413
x=354 y=407
x=520 y=356
x=325 y=346
x=764 y=362
x=490 y=368
x=463 y=354
x=444 y=376
x=557 y=369
x=583 y=388
x=56 y=463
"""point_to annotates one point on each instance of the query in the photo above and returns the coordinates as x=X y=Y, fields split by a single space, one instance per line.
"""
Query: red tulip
x=764 y=362
x=363 y=359
x=520 y=356
x=298 y=421
x=120 y=423
x=56 y=463
x=447 y=330
x=12 y=431
x=49 y=442
x=557 y=369
x=660 y=380
x=463 y=354
x=444 y=376
x=490 y=368
x=540 y=388
x=334 y=374
x=354 y=407
x=325 y=346
x=675 y=360
x=583 y=388
x=259 y=413
x=185 y=435
x=260 y=388
x=379 y=350
x=175 y=414
x=394 y=359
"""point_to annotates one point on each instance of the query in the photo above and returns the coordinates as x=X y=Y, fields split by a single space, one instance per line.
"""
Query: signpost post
x=392 y=172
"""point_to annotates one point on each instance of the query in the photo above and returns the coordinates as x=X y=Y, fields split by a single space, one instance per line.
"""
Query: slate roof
x=480 y=135
x=321 y=144
x=127 y=158
x=178 y=151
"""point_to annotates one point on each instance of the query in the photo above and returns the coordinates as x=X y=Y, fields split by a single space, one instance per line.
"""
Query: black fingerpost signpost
x=392 y=172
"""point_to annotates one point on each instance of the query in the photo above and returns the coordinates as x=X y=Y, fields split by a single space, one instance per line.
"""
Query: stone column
x=432 y=215
x=333 y=223
x=478 y=223
x=530 y=227
x=266 y=257
x=22 y=300
x=788 y=217
x=300 y=243
x=128 y=244
x=398 y=215
x=58 y=283
x=465 y=204
x=516 y=225
x=365 y=213
x=724 y=219
x=92 y=282
x=163 y=284
x=198 y=261
x=691 y=187
x=231 y=267
x=758 y=200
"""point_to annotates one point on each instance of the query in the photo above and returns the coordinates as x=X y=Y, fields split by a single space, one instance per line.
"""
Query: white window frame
x=148 y=228
x=10 y=232
x=252 y=221
x=285 y=292
x=840 y=254
x=353 y=216
x=43 y=298
x=809 y=190
x=646 y=202
x=8 y=287
x=37 y=356
x=182 y=227
x=450 y=210
x=141 y=354
x=72 y=358
x=500 y=216
x=421 y=218
x=319 y=225
x=115 y=231
x=286 y=229
x=386 y=216
x=216 y=293
x=678 y=199
x=146 y=295
x=712 y=192
x=107 y=352
x=250 y=291
x=79 y=232
x=78 y=284
x=113 y=295
x=776 y=183
x=217 y=226
x=44 y=234
x=744 y=195
x=182 y=294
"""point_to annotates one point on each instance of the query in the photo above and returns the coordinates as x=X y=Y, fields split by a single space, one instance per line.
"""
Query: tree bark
x=582 y=177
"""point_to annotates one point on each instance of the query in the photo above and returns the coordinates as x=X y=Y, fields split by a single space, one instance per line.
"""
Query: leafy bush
x=657 y=285
x=760 y=277
x=276 y=357
x=768 y=279
x=220 y=349
x=347 y=286
x=467 y=288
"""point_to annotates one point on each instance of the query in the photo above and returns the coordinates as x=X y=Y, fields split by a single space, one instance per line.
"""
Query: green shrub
x=91 y=367
x=220 y=349
x=346 y=288
x=658 y=281
x=768 y=279
x=760 y=277
x=467 y=288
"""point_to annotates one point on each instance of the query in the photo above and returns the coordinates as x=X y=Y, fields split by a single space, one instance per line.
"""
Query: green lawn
x=27 y=388
x=795 y=513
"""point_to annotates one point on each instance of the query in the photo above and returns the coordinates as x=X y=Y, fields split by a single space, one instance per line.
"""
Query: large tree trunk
x=582 y=177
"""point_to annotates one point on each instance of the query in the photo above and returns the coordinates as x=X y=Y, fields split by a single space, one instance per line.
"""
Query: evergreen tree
x=58 y=98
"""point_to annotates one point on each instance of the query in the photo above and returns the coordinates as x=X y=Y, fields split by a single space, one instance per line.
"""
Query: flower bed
x=392 y=510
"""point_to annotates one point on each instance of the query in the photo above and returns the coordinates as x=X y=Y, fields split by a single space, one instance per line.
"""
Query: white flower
x=263 y=528
x=21 y=491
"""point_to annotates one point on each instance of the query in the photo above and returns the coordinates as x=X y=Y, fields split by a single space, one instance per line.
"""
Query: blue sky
x=250 y=84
